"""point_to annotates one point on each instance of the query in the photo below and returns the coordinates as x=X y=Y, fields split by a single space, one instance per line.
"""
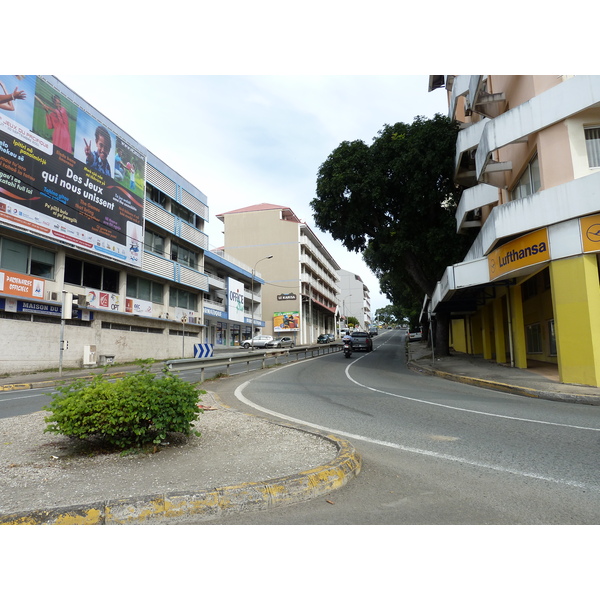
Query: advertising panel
x=590 y=233
x=235 y=300
x=286 y=321
x=527 y=250
x=17 y=284
x=66 y=176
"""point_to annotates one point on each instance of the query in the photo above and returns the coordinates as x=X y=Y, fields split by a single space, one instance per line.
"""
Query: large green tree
x=394 y=201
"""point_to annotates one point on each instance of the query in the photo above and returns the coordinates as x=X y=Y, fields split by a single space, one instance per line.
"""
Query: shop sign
x=17 y=284
x=525 y=251
x=590 y=233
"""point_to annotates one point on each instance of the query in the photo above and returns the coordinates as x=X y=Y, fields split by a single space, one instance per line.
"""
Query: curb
x=506 y=387
x=205 y=504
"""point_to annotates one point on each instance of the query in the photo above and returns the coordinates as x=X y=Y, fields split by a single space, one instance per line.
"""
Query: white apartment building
x=528 y=155
x=300 y=293
x=354 y=299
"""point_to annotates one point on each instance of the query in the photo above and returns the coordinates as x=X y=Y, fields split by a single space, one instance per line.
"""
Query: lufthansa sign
x=590 y=233
x=525 y=251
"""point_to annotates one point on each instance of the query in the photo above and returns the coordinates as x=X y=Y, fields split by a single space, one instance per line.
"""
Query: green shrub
x=135 y=411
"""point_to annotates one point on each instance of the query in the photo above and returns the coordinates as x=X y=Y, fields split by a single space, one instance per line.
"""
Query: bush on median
x=135 y=411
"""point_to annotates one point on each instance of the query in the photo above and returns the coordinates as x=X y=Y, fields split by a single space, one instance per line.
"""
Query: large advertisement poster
x=286 y=321
x=235 y=300
x=65 y=175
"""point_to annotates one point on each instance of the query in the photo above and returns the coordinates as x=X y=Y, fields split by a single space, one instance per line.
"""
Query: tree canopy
x=394 y=201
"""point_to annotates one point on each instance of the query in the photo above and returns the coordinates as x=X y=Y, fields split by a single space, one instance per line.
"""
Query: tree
x=394 y=201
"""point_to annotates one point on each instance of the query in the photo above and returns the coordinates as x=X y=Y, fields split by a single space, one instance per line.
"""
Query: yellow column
x=486 y=339
x=499 y=341
x=518 y=327
x=576 y=303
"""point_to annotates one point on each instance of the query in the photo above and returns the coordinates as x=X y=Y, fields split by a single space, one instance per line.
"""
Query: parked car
x=361 y=340
x=281 y=342
x=331 y=337
x=259 y=341
x=414 y=335
x=323 y=339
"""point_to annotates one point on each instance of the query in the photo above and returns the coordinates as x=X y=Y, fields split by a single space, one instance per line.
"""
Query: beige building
x=299 y=296
x=528 y=154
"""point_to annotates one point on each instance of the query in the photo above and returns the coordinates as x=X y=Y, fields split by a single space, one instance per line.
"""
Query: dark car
x=323 y=339
x=361 y=340
x=281 y=342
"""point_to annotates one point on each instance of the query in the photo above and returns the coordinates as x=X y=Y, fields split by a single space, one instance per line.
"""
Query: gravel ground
x=42 y=470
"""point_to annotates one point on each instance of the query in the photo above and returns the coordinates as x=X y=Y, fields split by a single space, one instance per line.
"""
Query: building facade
x=355 y=300
x=528 y=156
x=103 y=254
x=300 y=294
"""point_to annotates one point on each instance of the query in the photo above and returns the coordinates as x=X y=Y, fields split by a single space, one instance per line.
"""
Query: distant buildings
x=528 y=155
x=354 y=298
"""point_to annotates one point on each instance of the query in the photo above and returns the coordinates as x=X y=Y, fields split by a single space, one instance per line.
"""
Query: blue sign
x=203 y=350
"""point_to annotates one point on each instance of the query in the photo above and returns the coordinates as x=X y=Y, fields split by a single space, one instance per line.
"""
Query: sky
x=244 y=140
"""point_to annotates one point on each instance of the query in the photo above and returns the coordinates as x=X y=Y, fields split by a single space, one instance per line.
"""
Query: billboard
x=65 y=175
x=286 y=321
x=235 y=300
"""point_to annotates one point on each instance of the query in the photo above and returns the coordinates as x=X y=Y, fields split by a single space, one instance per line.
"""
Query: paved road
x=434 y=451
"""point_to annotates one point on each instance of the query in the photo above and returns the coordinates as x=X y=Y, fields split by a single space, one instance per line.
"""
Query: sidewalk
x=540 y=380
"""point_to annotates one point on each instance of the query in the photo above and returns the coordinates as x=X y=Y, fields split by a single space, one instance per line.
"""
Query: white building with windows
x=355 y=300
x=528 y=156
x=119 y=230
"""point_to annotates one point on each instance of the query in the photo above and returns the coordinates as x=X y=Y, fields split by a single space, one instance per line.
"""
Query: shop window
x=530 y=181
x=592 y=145
x=533 y=335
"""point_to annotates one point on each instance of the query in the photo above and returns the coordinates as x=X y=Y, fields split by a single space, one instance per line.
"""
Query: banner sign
x=286 y=321
x=17 y=284
x=235 y=300
x=590 y=233
x=527 y=250
x=66 y=176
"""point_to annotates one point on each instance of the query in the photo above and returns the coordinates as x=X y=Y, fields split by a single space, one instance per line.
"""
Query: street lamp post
x=252 y=310
x=344 y=309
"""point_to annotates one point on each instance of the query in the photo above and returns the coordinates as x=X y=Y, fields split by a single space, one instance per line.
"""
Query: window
x=533 y=334
x=183 y=213
x=592 y=144
x=154 y=242
x=530 y=181
x=552 y=337
x=23 y=258
x=184 y=256
x=79 y=272
x=144 y=289
x=156 y=196
x=182 y=299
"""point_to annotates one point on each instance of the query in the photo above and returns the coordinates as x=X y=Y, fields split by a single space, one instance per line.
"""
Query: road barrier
x=301 y=353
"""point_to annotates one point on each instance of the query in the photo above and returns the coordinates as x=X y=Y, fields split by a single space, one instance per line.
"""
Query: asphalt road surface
x=434 y=451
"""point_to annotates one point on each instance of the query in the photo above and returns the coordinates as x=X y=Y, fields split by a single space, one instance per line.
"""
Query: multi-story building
x=354 y=299
x=300 y=294
x=528 y=155
x=86 y=212
x=227 y=315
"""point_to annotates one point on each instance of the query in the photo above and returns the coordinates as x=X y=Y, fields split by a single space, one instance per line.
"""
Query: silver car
x=259 y=341
x=281 y=342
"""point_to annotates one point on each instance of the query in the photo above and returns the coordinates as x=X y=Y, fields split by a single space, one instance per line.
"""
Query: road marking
x=240 y=396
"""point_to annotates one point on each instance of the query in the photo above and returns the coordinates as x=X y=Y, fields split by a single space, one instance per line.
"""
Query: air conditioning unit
x=53 y=296
x=82 y=299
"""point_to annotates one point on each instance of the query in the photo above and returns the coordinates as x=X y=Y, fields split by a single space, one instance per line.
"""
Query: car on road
x=331 y=337
x=373 y=331
x=281 y=342
x=259 y=341
x=414 y=335
x=323 y=339
x=361 y=340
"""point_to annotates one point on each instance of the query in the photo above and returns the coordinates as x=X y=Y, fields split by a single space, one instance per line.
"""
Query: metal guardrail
x=186 y=364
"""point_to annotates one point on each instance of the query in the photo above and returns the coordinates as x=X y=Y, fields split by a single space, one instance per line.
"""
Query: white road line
x=240 y=396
